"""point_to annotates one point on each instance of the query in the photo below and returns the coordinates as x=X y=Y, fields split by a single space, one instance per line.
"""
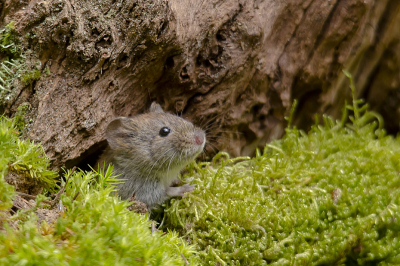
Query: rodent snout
x=199 y=138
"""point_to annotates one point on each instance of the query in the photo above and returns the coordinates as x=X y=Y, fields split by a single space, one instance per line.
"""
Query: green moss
x=6 y=197
x=327 y=197
x=15 y=68
x=93 y=229
x=31 y=76
x=23 y=156
x=11 y=63
x=6 y=144
x=46 y=71
x=19 y=117
x=7 y=40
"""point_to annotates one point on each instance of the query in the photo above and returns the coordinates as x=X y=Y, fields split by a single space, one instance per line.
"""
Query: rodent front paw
x=186 y=188
x=180 y=191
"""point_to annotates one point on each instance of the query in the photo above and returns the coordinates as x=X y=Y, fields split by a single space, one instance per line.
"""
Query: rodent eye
x=165 y=131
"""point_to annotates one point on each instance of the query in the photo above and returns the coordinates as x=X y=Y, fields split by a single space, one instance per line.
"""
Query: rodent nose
x=199 y=138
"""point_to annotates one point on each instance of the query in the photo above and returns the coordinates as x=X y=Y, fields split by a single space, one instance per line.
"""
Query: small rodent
x=148 y=151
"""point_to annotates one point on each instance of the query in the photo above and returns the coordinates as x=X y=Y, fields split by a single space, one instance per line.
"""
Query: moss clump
x=19 y=117
x=31 y=76
x=327 y=197
x=6 y=143
x=23 y=156
x=7 y=40
x=15 y=68
x=93 y=229
x=10 y=58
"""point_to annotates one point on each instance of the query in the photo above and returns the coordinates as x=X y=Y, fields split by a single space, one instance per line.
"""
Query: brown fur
x=147 y=161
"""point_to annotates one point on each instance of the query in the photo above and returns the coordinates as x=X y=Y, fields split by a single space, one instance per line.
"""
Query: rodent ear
x=116 y=131
x=156 y=108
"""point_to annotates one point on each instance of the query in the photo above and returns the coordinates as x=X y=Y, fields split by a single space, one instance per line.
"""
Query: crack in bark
x=391 y=8
x=320 y=36
x=279 y=70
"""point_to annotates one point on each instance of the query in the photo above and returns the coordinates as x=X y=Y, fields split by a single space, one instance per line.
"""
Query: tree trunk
x=233 y=65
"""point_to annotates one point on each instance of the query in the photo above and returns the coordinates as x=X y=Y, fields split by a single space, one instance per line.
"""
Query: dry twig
x=32 y=197
x=58 y=195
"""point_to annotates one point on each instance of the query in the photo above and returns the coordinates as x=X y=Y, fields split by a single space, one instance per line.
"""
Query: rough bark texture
x=238 y=64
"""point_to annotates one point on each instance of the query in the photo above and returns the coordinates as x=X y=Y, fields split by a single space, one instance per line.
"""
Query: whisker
x=213 y=147
x=215 y=138
x=204 y=154
x=172 y=157
x=157 y=161
x=180 y=157
x=162 y=164
x=213 y=119
x=228 y=131
x=132 y=163
x=215 y=123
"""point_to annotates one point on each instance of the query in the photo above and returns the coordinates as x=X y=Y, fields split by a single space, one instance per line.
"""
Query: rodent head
x=156 y=141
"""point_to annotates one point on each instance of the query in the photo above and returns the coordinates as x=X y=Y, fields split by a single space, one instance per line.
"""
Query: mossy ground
x=23 y=156
x=327 y=197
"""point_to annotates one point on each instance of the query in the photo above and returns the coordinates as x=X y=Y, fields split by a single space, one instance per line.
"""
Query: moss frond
x=23 y=156
x=13 y=62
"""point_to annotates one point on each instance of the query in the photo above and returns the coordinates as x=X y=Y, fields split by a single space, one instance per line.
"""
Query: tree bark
x=232 y=65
